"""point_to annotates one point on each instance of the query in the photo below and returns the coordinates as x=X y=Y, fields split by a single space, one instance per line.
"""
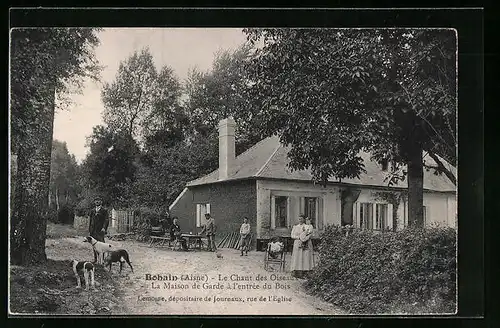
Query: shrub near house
x=410 y=271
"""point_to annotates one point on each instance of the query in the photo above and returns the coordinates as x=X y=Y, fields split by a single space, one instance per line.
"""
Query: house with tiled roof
x=258 y=184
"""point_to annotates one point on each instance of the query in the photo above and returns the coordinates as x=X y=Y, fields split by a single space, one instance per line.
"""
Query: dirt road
x=235 y=282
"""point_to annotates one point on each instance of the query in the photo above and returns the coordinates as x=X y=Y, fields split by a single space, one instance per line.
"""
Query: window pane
x=369 y=215
x=366 y=215
x=310 y=209
x=281 y=211
x=361 y=215
x=381 y=217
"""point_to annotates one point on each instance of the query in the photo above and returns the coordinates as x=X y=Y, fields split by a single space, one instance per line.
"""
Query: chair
x=278 y=258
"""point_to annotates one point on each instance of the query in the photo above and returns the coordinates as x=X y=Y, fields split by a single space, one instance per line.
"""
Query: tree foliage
x=64 y=56
x=141 y=100
x=330 y=94
x=163 y=174
x=109 y=169
x=64 y=187
x=222 y=92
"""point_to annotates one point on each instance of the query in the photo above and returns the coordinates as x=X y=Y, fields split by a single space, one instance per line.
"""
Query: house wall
x=441 y=206
x=441 y=210
x=185 y=210
x=294 y=190
x=229 y=203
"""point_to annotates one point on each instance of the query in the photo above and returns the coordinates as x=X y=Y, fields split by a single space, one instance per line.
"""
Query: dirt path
x=284 y=297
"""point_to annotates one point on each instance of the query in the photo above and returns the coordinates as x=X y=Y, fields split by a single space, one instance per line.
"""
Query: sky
x=179 y=48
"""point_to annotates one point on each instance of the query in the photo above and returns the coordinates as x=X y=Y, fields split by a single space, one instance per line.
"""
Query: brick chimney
x=226 y=147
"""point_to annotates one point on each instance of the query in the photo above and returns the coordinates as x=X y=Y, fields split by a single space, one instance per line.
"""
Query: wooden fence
x=120 y=221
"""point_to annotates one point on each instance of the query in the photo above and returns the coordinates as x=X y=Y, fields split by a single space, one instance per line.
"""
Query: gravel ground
x=242 y=293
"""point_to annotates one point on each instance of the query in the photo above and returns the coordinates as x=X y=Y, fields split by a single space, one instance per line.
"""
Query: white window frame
x=358 y=214
x=273 y=212
x=385 y=219
x=318 y=215
x=388 y=216
x=201 y=210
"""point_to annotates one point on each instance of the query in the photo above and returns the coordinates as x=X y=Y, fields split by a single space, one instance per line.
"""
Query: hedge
x=410 y=271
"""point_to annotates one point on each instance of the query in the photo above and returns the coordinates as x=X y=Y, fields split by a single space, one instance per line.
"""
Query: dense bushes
x=65 y=214
x=403 y=272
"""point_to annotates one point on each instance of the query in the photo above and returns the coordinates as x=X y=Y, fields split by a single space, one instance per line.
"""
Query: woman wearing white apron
x=302 y=257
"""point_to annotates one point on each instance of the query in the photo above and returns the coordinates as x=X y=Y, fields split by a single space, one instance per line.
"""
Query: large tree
x=142 y=101
x=45 y=62
x=163 y=173
x=222 y=92
x=333 y=93
x=109 y=168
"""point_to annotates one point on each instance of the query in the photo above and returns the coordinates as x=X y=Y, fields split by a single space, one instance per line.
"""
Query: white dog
x=99 y=247
x=88 y=272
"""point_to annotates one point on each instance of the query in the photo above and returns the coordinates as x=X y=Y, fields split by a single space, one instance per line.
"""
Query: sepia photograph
x=233 y=171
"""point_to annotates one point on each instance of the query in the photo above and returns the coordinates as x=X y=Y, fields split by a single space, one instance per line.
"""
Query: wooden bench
x=160 y=241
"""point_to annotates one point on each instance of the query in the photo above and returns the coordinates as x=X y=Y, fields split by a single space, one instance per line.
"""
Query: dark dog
x=119 y=255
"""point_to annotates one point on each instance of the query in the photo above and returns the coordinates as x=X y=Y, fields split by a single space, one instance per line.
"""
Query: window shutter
x=427 y=219
x=302 y=205
x=389 y=217
x=198 y=215
x=288 y=213
x=208 y=209
x=319 y=213
x=355 y=215
x=273 y=212
x=373 y=213
x=406 y=215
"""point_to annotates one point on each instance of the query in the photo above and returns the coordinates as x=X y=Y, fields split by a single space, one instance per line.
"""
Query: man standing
x=99 y=222
x=209 y=230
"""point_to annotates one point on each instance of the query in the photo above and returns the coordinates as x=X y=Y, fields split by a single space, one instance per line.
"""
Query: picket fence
x=121 y=221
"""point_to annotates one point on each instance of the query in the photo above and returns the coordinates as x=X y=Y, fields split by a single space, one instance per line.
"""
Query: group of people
x=209 y=229
x=302 y=254
x=99 y=222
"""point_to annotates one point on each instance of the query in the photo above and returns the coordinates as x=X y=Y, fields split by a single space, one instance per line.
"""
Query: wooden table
x=193 y=241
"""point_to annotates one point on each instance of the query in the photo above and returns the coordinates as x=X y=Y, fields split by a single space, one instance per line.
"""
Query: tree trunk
x=415 y=185
x=57 y=200
x=29 y=220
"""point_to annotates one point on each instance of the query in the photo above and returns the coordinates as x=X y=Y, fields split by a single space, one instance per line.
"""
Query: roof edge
x=268 y=160
x=331 y=183
x=346 y=184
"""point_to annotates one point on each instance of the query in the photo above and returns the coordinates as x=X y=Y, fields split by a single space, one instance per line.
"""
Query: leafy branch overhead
x=332 y=93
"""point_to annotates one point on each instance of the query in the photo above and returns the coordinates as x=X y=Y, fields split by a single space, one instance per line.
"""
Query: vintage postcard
x=233 y=171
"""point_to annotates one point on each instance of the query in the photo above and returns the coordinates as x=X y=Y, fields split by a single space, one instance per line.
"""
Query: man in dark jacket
x=99 y=222
x=175 y=233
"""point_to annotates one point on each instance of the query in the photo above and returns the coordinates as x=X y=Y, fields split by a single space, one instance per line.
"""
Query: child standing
x=245 y=236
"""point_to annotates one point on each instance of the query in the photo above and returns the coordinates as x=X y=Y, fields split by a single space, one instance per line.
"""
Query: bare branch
x=442 y=168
